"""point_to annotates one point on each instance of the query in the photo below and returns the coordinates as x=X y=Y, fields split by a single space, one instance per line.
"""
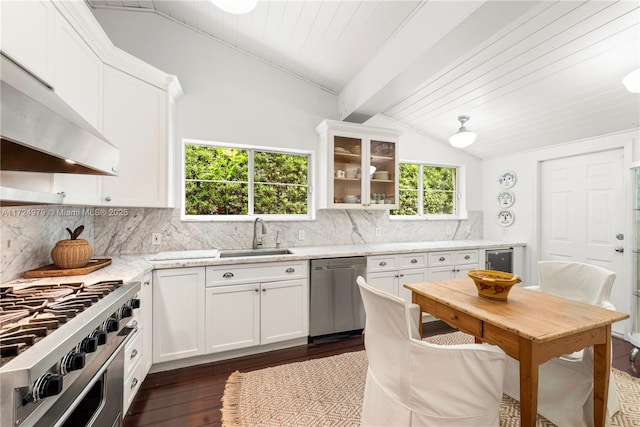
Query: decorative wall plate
x=505 y=199
x=505 y=218
x=507 y=179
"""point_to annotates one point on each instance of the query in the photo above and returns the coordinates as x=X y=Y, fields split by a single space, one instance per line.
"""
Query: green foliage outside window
x=437 y=190
x=217 y=182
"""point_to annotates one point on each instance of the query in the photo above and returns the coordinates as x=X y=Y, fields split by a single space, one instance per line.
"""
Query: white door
x=582 y=215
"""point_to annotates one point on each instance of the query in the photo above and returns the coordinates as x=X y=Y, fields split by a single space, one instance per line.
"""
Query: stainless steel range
x=62 y=353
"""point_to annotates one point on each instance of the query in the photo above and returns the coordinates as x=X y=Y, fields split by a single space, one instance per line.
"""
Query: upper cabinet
x=358 y=166
x=136 y=121
x=127 y=100
x=78 y=73
x=27 y=36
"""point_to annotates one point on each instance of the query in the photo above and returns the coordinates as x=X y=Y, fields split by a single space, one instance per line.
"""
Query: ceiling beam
x=436 y=36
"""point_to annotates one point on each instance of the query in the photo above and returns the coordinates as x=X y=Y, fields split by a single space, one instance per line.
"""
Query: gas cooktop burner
x=29 y=314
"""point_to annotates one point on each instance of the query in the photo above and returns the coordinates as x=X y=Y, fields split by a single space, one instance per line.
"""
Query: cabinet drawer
x=412 y=261
x=440 y=258
x=459 y=320
x=381 y=263
x=261 y=272
x=131 y=385
x=132 y=353
x=465 y=257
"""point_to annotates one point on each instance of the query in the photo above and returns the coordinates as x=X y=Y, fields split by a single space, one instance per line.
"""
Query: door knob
x=620 y=236
x=620 y=249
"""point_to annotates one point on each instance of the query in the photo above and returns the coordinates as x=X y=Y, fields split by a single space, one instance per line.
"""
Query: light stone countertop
x=131 y=268
x=184 y=259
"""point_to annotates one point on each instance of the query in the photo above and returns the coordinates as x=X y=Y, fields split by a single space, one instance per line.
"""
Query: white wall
x=526 y=190
x=233 y=97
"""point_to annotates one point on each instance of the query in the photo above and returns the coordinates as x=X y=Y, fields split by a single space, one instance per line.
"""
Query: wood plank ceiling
x=530 y=74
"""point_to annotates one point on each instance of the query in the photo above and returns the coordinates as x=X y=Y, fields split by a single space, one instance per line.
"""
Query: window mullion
x=421 y=190
x=251 y=177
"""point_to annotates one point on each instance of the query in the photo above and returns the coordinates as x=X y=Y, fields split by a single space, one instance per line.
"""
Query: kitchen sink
x=237 y=253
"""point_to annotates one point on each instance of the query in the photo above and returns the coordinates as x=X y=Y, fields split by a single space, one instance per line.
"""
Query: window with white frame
x=232 y=181
x=427 y=190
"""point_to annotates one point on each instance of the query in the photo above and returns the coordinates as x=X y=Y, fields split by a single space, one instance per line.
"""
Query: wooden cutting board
x=52 y=270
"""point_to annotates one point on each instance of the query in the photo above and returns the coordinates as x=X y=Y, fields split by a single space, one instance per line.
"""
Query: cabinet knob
x=108 y=198
x=441 y=258
x=134 y=353
x=227 y=275
x=63 y=194
x=147 y=282
x=453 y=317
x=264 y=289
x=134 y=383
x=256 y=290
x=291 y=270
x=382 y=263
x=467 y=257
x=414 y=261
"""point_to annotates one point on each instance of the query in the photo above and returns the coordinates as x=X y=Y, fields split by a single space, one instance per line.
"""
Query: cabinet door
x=27 y=36
x=135 y=120
x=461 y=270
x=233 y=317
x=284 y=313
x=382 y=180
x=440 y=273
x=78 y=74
x=418 y=275
x=178 y=313
x=347 y=174
x=385 y=281
x=146 y=320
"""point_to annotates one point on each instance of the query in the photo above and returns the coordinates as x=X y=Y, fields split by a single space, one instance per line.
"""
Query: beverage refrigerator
x=634 y=335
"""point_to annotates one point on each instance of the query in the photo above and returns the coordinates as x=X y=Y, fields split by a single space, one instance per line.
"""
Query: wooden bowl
x=492 y=284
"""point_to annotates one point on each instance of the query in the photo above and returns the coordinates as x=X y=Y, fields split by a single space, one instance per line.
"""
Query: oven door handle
x=96 y=377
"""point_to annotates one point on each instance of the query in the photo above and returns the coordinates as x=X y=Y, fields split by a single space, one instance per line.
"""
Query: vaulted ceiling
x=529 y=73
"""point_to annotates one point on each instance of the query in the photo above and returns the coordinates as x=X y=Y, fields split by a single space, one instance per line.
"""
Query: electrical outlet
x=300 y=234
x=378 y=231
x=156 y=238
x=468 y=229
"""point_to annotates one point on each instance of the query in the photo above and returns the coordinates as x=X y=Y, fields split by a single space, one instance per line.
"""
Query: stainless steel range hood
x=42 y=133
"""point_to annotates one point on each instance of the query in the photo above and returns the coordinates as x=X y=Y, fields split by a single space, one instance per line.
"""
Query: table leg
x=528 y=384
x=601 y=372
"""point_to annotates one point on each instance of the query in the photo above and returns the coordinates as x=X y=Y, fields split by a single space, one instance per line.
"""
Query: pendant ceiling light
x=632 y=81
x=237 y=7
x=464 y=137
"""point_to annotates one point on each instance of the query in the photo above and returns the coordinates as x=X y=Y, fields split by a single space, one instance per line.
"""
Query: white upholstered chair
x=565 y=384
x=414 y=383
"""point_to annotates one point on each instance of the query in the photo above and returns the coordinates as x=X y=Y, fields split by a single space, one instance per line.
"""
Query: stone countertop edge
x=132 y=268
x=315 y=252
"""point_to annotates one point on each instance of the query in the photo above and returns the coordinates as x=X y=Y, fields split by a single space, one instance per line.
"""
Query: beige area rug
x=328 y=392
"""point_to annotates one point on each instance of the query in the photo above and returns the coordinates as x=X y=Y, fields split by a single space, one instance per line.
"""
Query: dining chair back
x=414 y=383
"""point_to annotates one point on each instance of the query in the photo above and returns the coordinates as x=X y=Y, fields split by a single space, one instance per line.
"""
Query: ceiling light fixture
x=237 y=7
x=632 y=81
x=464 y=137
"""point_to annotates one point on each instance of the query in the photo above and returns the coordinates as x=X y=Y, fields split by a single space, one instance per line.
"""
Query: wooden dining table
x=530 y=326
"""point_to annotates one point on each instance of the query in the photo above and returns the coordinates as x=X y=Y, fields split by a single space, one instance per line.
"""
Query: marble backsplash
x=27 y=239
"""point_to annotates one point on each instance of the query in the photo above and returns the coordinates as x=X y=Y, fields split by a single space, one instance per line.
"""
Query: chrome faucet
x=257 y=238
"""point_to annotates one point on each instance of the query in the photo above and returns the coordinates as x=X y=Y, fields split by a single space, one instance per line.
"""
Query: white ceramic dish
x=381 y=175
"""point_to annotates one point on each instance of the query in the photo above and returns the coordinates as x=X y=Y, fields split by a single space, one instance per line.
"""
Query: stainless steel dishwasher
x=335 y=304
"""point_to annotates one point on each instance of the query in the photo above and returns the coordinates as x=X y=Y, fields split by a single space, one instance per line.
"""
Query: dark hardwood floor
x=192 y=396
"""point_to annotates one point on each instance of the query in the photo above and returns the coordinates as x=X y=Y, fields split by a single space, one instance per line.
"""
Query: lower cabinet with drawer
x=451 y=264
x=256 y=304
x=390 y=273
x=133 y=369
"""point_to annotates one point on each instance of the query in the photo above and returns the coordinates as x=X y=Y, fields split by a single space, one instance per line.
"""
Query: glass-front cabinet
x=634 y=336
x=358 y=166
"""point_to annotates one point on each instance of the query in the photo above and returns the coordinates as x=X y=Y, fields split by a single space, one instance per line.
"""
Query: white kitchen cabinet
x=28 y=35
x=136 y=120
x=78 y=73
x=256 y=304
x=390 y=273
x=451 y=264
x=348 y=155
x=146 y=322
x=178 y=313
